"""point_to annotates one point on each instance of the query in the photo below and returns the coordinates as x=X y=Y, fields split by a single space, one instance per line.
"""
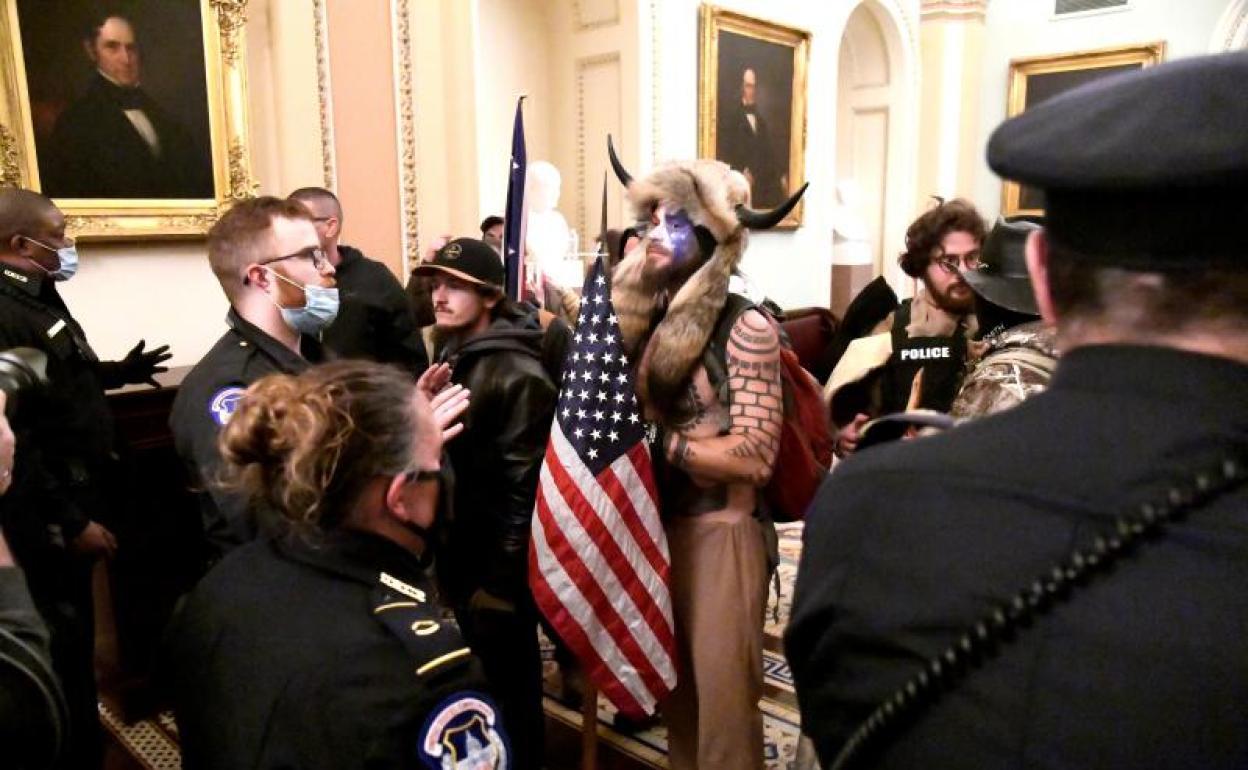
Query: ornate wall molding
x=656 y=97
x=583 y=65
x=325 y=96
x=401 y=49
x=1231 y=31
x=955 y=10
x=589 y=14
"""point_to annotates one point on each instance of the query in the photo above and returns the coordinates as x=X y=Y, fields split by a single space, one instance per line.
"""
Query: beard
x=672 y=276
x=959 y=303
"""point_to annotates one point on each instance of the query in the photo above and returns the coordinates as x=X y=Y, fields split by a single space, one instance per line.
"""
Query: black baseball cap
x=468 y=259
x=1146 y=170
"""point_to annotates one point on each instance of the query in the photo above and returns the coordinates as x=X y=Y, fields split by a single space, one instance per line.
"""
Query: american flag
x=598 y=563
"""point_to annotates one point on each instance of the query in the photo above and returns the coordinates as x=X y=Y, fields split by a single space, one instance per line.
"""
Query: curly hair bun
x=306 y=445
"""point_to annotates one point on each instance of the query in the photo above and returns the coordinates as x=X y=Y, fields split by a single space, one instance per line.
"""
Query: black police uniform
x=328 y=653
x=64 y=463
x=375 y=321
x=907 y=546
x=206 y=400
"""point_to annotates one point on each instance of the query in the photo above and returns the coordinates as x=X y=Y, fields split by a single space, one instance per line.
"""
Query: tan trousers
x=719 y=594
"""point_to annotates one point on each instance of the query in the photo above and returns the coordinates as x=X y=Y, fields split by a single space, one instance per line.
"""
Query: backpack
x=805 y=451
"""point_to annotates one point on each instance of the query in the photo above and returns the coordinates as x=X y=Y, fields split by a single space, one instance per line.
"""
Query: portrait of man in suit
x=113 y=138
x=754 y=113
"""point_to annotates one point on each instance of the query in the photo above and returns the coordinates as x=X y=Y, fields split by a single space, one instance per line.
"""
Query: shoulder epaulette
x=432 y=639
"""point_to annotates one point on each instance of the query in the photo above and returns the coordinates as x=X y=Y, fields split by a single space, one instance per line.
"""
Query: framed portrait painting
x=1036 y=79
x=131 y=118
x=752 y=103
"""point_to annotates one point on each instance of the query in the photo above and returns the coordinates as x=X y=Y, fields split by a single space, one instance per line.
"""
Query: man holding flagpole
x=717 y=442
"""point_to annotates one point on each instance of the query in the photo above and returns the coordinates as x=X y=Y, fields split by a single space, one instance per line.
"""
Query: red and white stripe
x=599 y=569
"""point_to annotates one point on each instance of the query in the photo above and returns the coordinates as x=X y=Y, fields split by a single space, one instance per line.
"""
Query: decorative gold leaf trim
x=407 y=133
x=324 y=94
x=231 y=19
x=10 y=168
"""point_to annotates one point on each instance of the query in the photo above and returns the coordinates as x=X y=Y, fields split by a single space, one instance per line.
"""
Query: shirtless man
x=670 y=294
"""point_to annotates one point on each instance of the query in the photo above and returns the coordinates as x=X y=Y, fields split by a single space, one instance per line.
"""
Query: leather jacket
x=497 y=458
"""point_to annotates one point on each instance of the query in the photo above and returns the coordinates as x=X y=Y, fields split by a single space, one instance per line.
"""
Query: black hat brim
x=1010 y=292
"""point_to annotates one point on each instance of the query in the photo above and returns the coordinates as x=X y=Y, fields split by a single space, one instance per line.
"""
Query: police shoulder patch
x=223 y=403
x=464 y=731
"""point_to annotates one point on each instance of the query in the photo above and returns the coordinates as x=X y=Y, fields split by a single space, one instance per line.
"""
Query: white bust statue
x=547 y=234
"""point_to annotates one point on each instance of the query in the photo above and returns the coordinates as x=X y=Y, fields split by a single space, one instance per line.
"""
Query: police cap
x=1147 y=170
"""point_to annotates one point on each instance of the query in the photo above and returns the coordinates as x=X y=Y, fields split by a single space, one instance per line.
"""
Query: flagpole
x=589 y=703
x=589 y=726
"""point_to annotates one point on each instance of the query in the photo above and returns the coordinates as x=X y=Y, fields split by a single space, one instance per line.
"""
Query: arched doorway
x=872 y=127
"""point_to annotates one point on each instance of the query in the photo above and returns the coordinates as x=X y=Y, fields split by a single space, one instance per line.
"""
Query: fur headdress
x=716 y=199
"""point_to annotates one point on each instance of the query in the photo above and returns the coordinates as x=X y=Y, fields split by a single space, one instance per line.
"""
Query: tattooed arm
x=755 y=406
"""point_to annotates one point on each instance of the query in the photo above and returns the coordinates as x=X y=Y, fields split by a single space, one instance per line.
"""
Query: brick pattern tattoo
x=755 y=395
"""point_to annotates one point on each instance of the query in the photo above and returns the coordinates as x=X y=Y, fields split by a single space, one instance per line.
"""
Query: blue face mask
x=67 y=256
x=319 y=310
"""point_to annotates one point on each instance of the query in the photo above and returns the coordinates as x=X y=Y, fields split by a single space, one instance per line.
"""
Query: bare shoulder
x=753 y=338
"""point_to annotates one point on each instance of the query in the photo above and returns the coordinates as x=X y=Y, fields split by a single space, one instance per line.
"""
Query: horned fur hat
x=716 y=198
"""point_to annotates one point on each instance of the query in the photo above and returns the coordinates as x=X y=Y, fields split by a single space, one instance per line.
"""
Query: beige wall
x=366 y=144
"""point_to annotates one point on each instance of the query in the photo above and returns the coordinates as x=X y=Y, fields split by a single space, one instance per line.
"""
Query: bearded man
x=715 y=443
x=916 y=358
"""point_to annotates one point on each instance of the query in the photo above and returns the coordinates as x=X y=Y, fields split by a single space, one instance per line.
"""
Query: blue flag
x=513 y=225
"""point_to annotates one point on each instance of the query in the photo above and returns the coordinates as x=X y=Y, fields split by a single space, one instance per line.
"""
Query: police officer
x=325 y=646
x=1061 y=585
x=54 y=511
x=376 y=321
x=267 y=255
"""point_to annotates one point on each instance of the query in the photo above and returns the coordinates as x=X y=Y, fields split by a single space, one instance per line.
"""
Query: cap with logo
x=469 y=260
x=1147 y=170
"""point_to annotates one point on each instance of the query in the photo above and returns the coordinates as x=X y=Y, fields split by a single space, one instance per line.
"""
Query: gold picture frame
x=778 y=58
x=1035 y=79
x=120 y=218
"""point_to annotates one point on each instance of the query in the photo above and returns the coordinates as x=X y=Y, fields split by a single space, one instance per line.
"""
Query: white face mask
x=67 y=256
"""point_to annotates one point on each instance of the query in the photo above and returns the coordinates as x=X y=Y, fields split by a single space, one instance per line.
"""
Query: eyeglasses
x=318 y=257
x=969 y=261
x=423 y=474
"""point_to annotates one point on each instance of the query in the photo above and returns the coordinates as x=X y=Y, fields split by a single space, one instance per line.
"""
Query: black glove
x=139 y=366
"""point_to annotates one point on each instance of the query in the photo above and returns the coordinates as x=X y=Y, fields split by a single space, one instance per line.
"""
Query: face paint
x=674 y=232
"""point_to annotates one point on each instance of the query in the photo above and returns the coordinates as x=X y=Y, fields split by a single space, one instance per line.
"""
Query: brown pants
x=719 y=594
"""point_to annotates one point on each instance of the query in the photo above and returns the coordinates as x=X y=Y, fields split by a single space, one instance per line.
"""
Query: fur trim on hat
x=709 y=192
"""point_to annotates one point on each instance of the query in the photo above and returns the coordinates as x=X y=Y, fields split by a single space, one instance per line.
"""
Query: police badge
x=463 y=733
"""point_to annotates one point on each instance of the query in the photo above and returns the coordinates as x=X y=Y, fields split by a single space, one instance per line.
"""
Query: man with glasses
x=53 y=514
x=916 y=359
x=376 y=321
x=267 y=255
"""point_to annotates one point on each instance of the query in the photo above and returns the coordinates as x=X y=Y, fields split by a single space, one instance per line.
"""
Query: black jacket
x=375 y=320
x=96 y=152
x=206 y=400
x=64 y=430
x=32 y=709
x=906 y=545
x=497 y=458
x=337 y=654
